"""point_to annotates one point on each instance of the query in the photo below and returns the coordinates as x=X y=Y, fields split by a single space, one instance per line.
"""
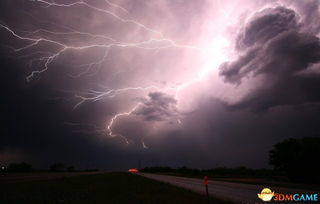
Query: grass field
x=104 y=188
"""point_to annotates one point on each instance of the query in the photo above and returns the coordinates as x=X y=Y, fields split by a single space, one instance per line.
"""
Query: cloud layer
x=273 y=46
x=118 y=79
x=157 y=107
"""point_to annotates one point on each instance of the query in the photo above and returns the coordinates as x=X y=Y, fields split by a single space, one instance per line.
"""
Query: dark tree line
x=215 y=172
x=25 y=167
x=299 y=158
x=19 y=167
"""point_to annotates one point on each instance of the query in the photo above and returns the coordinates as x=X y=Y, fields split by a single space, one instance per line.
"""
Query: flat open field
x=97 y=188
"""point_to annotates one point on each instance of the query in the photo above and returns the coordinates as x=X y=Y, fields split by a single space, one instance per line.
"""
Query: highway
x=234 y=192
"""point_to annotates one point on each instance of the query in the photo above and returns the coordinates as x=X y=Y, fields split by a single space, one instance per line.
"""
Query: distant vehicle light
x=133 y=170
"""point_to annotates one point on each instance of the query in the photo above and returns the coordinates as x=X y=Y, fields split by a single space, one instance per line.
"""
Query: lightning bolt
x=117 y=6
x=114 y=118
x=97 y=95
x=83 y=3
x=33 y=38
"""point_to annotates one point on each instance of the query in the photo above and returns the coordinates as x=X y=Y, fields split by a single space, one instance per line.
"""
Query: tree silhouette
x=299 y=158
x=71 y=169
x=57 y=167
x=20 y=167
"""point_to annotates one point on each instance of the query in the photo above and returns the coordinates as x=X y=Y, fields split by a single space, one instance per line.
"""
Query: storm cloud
x=273 y=46
x=95 y=84
x=157 y=107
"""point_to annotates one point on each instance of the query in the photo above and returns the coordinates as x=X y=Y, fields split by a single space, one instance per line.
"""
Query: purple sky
x=106 y=83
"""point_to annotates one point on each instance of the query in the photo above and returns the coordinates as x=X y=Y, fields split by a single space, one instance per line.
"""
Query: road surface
x=234 y=192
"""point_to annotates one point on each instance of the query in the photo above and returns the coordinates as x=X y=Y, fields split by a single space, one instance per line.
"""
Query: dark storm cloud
x=39 y=124
x=275 y=48
x=157 y=107
x=266 y=25
x=38 y=121
x=311 y=15
x=233 y=72
x=281 y=56
x=242 y=137
x=32 y=123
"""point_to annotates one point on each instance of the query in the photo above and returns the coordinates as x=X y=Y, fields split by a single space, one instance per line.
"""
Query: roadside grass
x=106 y=188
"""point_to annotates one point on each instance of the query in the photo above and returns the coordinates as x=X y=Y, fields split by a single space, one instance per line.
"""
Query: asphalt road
x=234 y=192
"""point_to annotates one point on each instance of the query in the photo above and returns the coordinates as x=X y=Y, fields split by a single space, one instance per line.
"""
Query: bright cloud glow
x=215 y=53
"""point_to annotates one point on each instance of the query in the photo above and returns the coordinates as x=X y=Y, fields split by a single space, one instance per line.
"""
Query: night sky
x=198 y=83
